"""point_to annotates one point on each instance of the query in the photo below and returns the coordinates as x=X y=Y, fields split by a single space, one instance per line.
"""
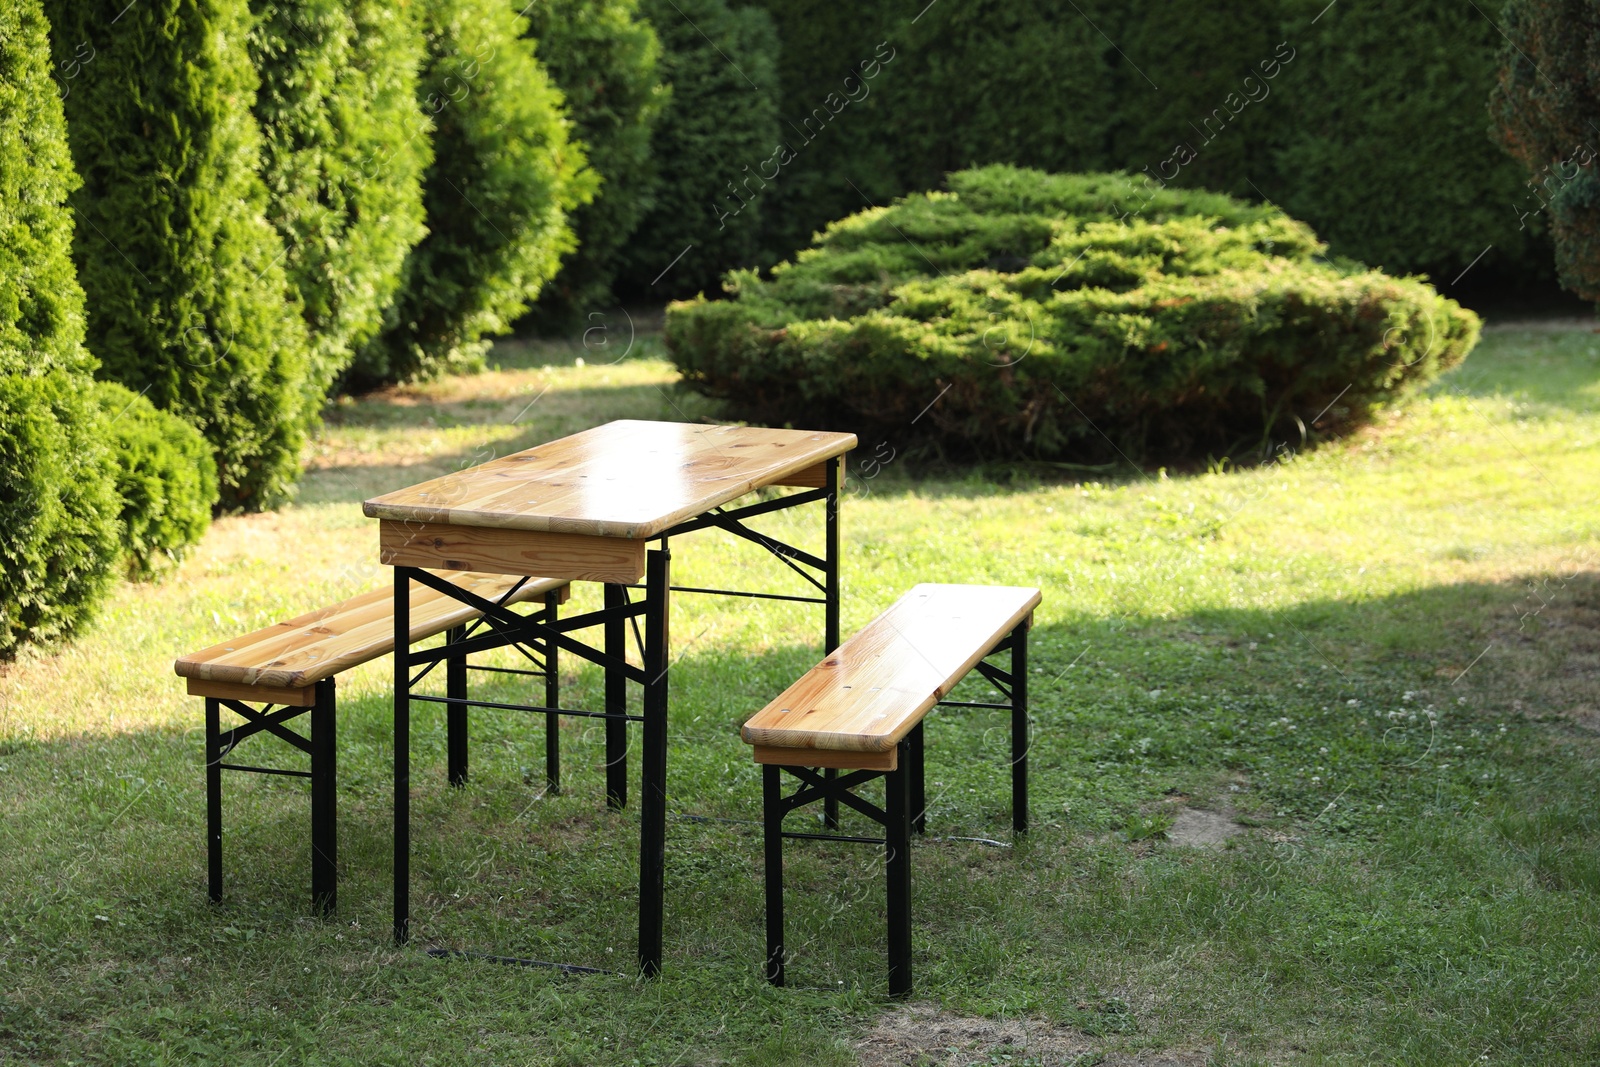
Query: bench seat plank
x=304 y=650
x=873 y=690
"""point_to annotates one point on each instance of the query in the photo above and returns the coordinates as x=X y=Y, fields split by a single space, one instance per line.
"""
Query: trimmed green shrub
x=603 y=56
x=345 y=146
x=165 y=478
x=188 y=301
x=716 y=131
x=57 y=506
x=41 y=303
x=1544 y=102
x=1088 y=316
x=504 y=178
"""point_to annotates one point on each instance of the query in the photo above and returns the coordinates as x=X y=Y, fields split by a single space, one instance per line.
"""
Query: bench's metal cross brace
x=904 y=813
x=320 y=746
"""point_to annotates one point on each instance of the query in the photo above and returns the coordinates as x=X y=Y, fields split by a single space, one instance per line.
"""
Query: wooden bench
x=861 y=710
x=292 y=666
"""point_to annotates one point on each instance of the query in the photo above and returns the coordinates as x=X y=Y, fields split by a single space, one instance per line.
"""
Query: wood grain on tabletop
x=628 y=479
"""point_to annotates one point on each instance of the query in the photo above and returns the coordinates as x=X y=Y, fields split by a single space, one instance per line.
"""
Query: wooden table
x=585 y=507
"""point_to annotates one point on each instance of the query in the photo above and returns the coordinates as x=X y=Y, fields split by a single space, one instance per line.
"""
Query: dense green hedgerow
x=603 y=56
x=345 y=145
x=717 y=130
x=165 y=477
x=41 y=303
x=1544 y=103
x=1386 y=145
x=1374 y=132
x=57 y=507
x=505 y=177
x=1084 y=316
x=187 y=296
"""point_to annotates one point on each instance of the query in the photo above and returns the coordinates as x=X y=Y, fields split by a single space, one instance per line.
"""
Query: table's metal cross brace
x=545 y=631
x=731 y=520
x=617 y=616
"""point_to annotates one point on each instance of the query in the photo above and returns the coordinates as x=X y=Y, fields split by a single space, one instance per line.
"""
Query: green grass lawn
x=1373 y=665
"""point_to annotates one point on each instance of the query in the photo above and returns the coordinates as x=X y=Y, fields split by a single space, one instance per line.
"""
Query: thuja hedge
x=187 y=297
x=604 y=56
x=505 y=176
x=1068 y=316
x=345 y=144
x=719 y=125
x=1544 y=101
x=1374 y=132
x=57 y=504
x=165 y=478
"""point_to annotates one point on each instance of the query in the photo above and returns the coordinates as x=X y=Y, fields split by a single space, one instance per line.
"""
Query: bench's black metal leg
x=616 y=645
x=455 y=667
x=653 y=780
x=772 y=823
x=324 y=802
x=552 y=699
x=830 y=806
x=402 y=754
x=914 y=768
x=1019 y=728
x=897 y=844
x=214 y=798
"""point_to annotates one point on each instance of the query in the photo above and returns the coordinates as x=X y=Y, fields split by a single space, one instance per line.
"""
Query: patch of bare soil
x=923 y=1035
x=1198 y=828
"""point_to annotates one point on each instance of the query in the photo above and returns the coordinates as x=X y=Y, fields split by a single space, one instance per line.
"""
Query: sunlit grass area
x=1368 y=668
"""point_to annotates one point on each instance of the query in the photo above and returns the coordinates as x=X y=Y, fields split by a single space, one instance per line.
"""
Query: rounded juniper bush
x=1092 y=316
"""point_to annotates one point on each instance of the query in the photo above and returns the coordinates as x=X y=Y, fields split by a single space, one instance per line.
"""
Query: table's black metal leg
x=455 y=668
x=552 y=699
x=653 y=779
x=914 y=767
x=830 y=577
x=1019 y=728
x=830 y=608
x=772 y=812
x=897 y=843
x=324 y=802
x=214 y=798
x=830 y=806
x=402 y=754
x=616 y=646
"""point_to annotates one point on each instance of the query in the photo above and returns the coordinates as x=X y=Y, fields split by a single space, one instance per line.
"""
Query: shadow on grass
x=1416 y=849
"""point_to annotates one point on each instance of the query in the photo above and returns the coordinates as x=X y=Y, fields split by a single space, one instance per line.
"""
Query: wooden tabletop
x=627 y=479
x=870 y=691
